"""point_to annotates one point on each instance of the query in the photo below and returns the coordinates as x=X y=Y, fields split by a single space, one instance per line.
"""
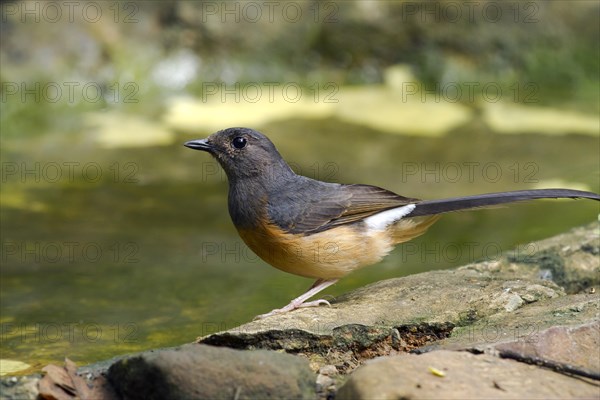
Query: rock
x=199 y=371
x=8 y=367
x=477 y=331
x=463 y=375
x=381 y=107
x=20 y=387
x=186 y=114
x=567 y=348
x=401 y=110
x=326 y=383
x=515 y=118
x=467 y=308
x=523 y=324
x=569 y=259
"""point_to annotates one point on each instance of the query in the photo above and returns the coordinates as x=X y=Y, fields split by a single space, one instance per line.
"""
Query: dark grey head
x=243 y=152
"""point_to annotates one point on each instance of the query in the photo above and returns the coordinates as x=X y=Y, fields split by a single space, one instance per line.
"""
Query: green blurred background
x=116 y=238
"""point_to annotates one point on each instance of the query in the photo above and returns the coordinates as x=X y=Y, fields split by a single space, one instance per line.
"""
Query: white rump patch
x=382 y=220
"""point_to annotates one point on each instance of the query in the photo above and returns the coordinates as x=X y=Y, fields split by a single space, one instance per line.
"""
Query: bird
x=323 y=230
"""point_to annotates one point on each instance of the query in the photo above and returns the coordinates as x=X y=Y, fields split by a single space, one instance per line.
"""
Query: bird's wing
x=313 y=209
x=325 y=206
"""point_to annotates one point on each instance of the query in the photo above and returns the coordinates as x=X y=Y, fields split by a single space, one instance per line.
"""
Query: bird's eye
x=239 y=142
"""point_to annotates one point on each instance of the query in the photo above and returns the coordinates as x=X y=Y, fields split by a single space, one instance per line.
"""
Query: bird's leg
x=319 y=285
x=299 y=301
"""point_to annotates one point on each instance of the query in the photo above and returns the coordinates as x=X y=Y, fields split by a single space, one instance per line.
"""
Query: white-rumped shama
x=324 y=230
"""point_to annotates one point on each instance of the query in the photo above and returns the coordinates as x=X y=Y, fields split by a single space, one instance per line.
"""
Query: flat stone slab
x=459 y=375
x=570 y=349
x=511 y=298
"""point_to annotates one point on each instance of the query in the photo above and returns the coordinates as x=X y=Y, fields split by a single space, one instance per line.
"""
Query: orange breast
x=327 y=255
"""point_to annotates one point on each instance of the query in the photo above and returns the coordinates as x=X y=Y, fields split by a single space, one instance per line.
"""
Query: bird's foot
x=292 y=306
x=314 y=303
x=300 y=301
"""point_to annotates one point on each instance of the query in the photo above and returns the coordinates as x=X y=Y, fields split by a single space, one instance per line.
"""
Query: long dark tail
x=432 y=207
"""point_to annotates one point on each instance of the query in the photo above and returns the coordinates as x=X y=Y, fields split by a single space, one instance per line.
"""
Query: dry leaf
x=64 y=384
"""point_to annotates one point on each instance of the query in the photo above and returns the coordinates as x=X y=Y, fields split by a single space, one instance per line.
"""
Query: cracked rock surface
x=539 y=307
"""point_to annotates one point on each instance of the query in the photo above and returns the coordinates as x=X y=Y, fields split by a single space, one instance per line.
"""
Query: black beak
x=199 y=144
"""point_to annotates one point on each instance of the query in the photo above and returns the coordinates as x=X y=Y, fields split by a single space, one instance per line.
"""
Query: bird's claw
x=292 y=306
